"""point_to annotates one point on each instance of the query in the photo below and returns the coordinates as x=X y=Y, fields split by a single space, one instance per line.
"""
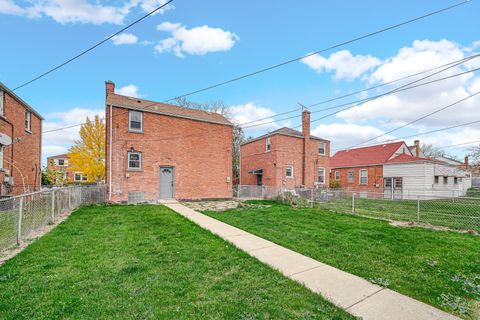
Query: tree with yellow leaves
x=88 y=154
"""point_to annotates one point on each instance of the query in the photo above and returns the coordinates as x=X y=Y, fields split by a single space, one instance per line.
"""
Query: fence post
x=69 y=199
x=353 y=202
x=20 y=217
x=311 y=197
x=53 y=206
x=418 y=209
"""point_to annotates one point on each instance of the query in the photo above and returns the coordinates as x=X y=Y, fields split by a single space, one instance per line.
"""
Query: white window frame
x=323 y=175
x=61 y=165
x=268 y=144
x=139 y=168
x=360 y=177
x=455 y=180
x=1 y=156
x=28 y=120
x=353 y=176
x=2 y=104
x=445 y=180
x=75 y=176
x=436 y=179
x=324 y=148
x=337 y=175
x=130 y=112
x=291 y=170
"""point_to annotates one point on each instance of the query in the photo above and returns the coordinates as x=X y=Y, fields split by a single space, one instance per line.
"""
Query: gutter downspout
x=110 y=156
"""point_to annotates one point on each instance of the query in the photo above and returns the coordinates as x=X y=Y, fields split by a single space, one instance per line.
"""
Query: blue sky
x=197 y=43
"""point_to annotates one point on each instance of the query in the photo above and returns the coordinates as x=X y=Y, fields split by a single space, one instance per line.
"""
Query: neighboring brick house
x=159 y=151
x=286 y=158
x=393 y=170
x=20 y=145
x=61 y=163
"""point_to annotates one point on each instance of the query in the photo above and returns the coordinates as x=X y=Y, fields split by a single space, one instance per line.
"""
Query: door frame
x=160 y=182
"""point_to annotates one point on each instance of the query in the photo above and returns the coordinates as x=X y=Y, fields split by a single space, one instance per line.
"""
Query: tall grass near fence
x=22 y=215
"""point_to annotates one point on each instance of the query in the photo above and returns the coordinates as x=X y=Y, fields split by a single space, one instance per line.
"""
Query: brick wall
x=22 y=158
x=285 y=150
x=70 y=174
x=375 y=177
x=200 y=152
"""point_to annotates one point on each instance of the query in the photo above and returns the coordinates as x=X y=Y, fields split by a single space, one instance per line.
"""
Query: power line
x=320 y=51
x=416 y=135
x=94 y=46
x=360 y=91
x=418 y=119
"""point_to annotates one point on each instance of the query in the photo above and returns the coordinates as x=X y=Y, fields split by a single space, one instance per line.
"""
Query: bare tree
x=220 y=107
x=475 y=155
x=432 y=151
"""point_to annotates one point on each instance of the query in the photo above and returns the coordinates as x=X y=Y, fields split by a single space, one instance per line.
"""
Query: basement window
x=321 y=148
x=135 y=121
x=134 y=161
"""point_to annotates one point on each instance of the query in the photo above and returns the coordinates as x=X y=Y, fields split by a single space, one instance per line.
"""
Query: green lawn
x=437 y=267
x=455 y=213
x=139 y=262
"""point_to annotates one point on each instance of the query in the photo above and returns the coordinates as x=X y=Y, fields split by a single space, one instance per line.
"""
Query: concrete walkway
x=354 y=294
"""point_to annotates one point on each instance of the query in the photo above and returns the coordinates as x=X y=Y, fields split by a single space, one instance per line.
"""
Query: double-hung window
x=321 y=175
x=2 y=94
x=134 y=161
x=436 y=179
x=77 y=176
x=135 y=121
x=267 y=144
x=337 y=175
x=363 y=177
x=61 y=162
x=321 y=148
x=28 y=119
x=445 y=180
x=289 y=171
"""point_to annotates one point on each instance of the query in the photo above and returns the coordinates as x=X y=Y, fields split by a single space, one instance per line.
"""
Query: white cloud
x=408 y=105
x=130 y=90
x=344 y=135
x=52 y=150
x=56 y=120
x=249 y=112
x=124 y=38
x=196 y=41
x=343 y=63
x=78 y=11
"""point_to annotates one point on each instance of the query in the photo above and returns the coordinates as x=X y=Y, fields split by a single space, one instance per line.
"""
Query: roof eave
x=15 y=96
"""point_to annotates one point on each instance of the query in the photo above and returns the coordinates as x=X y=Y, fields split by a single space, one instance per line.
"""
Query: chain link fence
x=461 y=213
x=22 y=215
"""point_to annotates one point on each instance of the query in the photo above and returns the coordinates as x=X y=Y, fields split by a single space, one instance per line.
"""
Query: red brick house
x=20 y=145
x=60 y=163
x=158 y=151
x=286 y=158
x=394 y=170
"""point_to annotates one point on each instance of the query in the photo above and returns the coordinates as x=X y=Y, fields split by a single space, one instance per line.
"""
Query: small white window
x=267 y=144
x=78 y=176
x=28 y=117
x=1 y=156
x=289 y=171
x=321 y=148
x=337 y=175
x=350 y=176
x=455 y=180
x=321 y=175
x=445 y=180
x=134 y=161
x=363 y=176
x=61 y=162
x=1 y=103
x=436 y=179
x=135 y=121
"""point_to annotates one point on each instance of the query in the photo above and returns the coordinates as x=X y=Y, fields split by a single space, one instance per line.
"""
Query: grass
x=146 y=262
x=455 y=213
x=437 y=267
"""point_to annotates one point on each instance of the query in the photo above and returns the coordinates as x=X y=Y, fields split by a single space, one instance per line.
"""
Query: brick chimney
x=109 y=87
x=307 y=157
x=465 y=162
x=417 y=148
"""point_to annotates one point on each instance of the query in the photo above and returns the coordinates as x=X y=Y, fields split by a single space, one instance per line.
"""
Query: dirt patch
x=211 y=205
x=34 y=235
x=404 y=224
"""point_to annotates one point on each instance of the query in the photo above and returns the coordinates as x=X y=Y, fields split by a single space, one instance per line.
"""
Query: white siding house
x=426 y=178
